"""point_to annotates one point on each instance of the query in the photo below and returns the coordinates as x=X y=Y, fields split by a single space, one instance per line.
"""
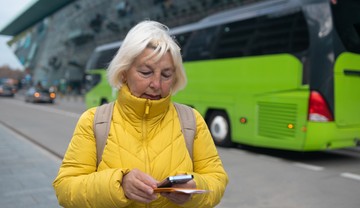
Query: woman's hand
x=139 y=186
x=180 y=198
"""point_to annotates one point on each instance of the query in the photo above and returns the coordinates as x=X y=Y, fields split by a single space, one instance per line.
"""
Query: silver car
x=39 y=95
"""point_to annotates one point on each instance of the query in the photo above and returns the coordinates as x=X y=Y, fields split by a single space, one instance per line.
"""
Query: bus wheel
x=103 y=101
x=219 y=126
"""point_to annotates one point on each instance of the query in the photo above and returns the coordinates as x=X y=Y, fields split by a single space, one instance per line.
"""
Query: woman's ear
x=123 y=77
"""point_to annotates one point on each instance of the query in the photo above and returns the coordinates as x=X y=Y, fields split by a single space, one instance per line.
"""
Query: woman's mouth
x=151 y=97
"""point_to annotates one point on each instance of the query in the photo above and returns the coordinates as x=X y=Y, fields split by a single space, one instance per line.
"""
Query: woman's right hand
x=139 y=186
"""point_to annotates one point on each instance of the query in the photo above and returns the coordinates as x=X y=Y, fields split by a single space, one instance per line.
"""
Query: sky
x=8 y=12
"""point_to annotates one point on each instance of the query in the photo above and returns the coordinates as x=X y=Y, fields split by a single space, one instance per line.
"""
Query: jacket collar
x=141 y=107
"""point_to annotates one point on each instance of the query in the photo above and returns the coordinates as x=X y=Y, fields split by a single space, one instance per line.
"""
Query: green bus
x=98 y=90
x=282 y=74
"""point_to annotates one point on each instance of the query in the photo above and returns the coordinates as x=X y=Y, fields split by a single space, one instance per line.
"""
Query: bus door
x=347 y=90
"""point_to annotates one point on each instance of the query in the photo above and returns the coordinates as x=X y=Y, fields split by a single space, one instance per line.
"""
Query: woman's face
x=150 y=79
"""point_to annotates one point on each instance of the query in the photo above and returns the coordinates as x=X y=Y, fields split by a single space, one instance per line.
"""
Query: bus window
x=346 y=15
x=101 y=59
x=280 y=34
x=266 y=35
x=201 y=44
x=235 y=39
x=257 y=36
x=182 y=39
x=91 y=80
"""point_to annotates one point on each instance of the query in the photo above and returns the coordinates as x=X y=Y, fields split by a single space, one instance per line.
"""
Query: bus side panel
x=235 y=85
x=281 y=119
x=321 y=136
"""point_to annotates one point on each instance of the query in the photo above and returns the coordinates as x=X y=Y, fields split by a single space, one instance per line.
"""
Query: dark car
x=7 y=90
x=39 y=95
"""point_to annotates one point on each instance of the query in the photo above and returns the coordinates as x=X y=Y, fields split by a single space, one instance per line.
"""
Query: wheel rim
x=219 y=128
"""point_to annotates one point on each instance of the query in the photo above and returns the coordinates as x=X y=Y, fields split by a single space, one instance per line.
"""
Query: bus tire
x=103 y=101
x=219 y=127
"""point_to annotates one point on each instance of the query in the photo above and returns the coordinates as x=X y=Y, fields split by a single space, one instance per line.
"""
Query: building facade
x=56 y=48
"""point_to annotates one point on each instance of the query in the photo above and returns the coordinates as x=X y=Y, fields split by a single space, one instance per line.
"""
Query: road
x=259 y=178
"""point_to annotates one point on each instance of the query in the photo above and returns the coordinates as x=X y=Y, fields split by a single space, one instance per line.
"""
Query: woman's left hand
x=180 y=198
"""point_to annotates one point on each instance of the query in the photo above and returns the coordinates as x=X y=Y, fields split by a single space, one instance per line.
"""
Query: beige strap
x=188 y=125
x=102 y=121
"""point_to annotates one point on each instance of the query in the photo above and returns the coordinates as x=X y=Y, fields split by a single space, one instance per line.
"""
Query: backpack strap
x=102 y=121
x=188 y=125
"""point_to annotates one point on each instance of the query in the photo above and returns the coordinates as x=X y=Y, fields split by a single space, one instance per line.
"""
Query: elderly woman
x=145 y=143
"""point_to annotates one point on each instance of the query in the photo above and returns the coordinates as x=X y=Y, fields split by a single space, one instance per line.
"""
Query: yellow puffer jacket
x=144 y=134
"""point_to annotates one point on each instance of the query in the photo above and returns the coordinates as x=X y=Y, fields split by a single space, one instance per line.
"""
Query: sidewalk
x=26 y=173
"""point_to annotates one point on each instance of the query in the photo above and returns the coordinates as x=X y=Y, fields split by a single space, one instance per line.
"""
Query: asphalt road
x=259 y=178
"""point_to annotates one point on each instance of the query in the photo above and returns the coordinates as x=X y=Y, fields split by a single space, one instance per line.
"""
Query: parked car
x=7 y=90
x=39 y=95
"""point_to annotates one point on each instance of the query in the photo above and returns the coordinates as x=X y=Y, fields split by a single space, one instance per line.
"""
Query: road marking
x=50 y=110
x=310 y=167
x=351 y=176
x=60 y=112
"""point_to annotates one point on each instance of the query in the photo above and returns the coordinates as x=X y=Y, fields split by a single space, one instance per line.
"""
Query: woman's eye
x=145 y=73
x=167 y=75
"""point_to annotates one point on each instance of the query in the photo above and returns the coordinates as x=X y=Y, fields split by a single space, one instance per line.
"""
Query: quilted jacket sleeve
x=208 y=172
x=77 y=183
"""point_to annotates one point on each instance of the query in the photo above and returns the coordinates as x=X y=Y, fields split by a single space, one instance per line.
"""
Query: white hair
x=144 y=35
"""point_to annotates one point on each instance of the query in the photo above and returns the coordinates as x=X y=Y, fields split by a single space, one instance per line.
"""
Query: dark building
x=54 y=39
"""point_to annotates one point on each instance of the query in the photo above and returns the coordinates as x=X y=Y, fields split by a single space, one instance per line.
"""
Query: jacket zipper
x=144 y=135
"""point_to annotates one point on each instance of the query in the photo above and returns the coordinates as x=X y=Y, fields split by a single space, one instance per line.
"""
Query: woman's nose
x=155 y=82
